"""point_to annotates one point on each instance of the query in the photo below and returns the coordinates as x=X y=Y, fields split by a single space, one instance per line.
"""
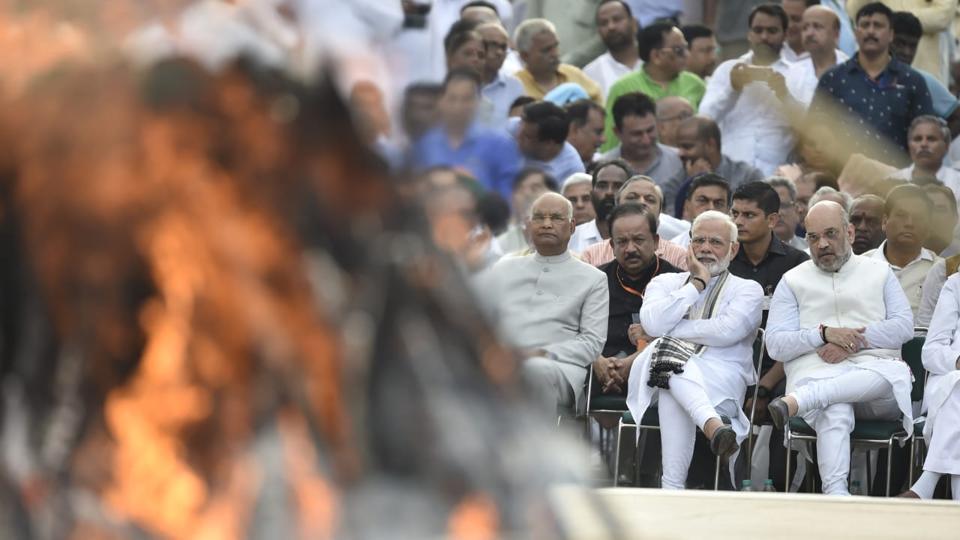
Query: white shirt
x=584 y=236
x=669 y=227
x=932 y=286
x=562 y=165
x=802 y=78
x=605 y=71
x=910 y=276
x=682 y=239
x=753 y=123
x=940 y=351
x=791 y=56
x=948 y=175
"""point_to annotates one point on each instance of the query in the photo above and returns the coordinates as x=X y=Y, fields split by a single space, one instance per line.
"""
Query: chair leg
x=616 y=458
x=913 y=460
x=716 y=476
x=889 y=461
x=786 y=487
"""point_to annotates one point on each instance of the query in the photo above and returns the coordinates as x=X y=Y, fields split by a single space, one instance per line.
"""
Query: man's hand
x=778 y=84
x=607 y=374
x=636 y=333
x=760 y=413
x=832 y=354
x=848 y=339
x=697 y=166
x=739 y=77
x=697 y=269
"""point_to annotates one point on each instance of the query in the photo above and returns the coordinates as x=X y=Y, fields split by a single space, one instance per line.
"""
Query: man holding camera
x=748 y=96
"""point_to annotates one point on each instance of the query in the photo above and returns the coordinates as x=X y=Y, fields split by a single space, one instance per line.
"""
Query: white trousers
x=549 y=385
x=683 y=408
x=830 y=406
x=943 y=455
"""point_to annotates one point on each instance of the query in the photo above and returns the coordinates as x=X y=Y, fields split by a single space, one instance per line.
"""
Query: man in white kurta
x=713 y=382
x=838 y=322
x=941 y=396
x=551 y=306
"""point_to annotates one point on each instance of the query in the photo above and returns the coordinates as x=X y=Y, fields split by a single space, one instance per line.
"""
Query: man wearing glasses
x=837 y=322
x=748 y=96
x=663 y=50
x=551 y=306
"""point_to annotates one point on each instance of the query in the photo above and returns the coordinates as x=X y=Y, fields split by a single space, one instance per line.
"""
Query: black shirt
x=780 y=259
x=624 y=304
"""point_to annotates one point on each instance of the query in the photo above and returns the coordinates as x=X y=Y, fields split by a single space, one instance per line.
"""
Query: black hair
x=527 y=172
x=650 y=38
x=521 y=101
x=634 y=103
x=773 y=10
x=707 y=129
x=905 y=23
x=494 y=211
x=461 y=32
x=552 y=122
x=625 y=5
x=422 y=88
x=695 y=31
x=872 y=9
x=459 y=74
x=760 y=193
x=621 y=164
x=710 y=179
x=579 y=111
x=480 y=3
x=632 y=209
x=906 y=191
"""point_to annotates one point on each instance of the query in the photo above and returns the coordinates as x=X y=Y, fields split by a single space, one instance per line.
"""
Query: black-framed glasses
x=677 y=50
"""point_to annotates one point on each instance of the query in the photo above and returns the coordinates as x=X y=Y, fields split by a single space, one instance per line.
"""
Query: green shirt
x=686 y=85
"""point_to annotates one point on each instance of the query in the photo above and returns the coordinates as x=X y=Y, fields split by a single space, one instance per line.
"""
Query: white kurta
x=940 y=353
x=605 y=71
x=807 y=297
x=725 y=367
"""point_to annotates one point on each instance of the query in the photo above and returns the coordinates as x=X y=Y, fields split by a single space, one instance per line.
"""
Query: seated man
x=608 y=177
x=633 y=234
x=542 y=139
x=707 y=192
x=699 y=368
x=866 y=216
x=786 y=229
x=942 y=396
x=698 y=143
x=642 y=191
x=906 y=222
x=551 y=306
x=578 y=188
x=536 y=41
x=841 y=363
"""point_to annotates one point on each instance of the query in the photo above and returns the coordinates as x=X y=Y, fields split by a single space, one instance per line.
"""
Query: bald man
x=866 y=216
x=820 y=31
x=552 y=306
x=671 y=110
x=840 y=342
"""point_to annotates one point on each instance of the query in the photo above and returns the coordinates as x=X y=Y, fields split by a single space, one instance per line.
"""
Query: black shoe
x=724 y=442
x=779 y=412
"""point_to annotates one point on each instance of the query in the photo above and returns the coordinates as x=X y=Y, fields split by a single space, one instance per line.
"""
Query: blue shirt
x=489 y=155
x=944 y=103
x=884 y=107
x=560 y=167
x=501 y=93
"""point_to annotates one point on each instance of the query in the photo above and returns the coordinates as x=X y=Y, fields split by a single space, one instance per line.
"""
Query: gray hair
x=524 y=34
x=641 y=178
x=566 y=203
x=576 y=179
x=713 y=215
x=826 y=191
x=784 y=182
x=935 y=120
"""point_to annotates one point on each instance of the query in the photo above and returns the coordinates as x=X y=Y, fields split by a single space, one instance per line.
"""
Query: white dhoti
x=942 y=428
x=831 y=399
x=703 y=391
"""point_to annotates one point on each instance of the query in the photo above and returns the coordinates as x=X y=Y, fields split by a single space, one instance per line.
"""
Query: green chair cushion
x=864 y=429
x=608 y=402
x=650 y=418
x=918 y=428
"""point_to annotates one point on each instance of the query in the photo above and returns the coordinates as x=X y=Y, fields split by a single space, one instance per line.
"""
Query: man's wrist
x=823 y=334
x=763 y=392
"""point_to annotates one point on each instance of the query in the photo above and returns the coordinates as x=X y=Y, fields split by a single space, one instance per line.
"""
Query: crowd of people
x=634 y=223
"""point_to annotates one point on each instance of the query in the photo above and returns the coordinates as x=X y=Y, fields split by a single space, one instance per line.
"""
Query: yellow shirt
x=565 y=73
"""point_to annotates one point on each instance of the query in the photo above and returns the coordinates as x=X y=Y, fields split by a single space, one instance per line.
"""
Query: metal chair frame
x=790 y=435
x=716 y=475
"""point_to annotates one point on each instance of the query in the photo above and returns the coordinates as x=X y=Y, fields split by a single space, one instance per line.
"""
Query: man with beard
x=820 y=30
x=618 y=31
x=906 y=223
x=633 y=236
x=866 y=216
x=748 y=96
x=707 y=192
x=841 y=364
x=703 y=50
x=551 y=306
x=879 y=95
x=701 y=364
x=608 y=178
